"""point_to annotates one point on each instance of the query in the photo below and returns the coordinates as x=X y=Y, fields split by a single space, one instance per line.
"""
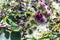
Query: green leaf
x=30 y=31
x=45 y=39
x=34 y=27
x=33 y=38
x=10 y=22
x=23 y=39
x=29 y=13
x=4 y=20
x=6 y=34
x=15 y=36
x=12 y=18
x=58 y=35
x=16 y=28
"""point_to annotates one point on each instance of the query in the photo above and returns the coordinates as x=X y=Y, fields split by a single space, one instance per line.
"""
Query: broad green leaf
x=6 y=34
x=12 y=18
x=45 y=39
x=15 y=36
x=10 y=22
x=33 y=38
x=16 y=28
x=29 y=13
x=4 y=20
x=23 y=39
x=30 y=31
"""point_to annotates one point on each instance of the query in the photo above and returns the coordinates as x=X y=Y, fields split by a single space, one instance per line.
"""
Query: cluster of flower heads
x=25 y=17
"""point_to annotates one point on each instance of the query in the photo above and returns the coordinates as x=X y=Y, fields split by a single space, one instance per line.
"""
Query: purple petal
x=47 y=27
x=46 y=20
x=15 y=8
x=48 y=12
x=42 y=20
x=59 y=1
x=21 y=23
x=2 y=14
x=4 y=26
x=57 y=30
x=21 y=5
x=40 y=15
x=42 y=3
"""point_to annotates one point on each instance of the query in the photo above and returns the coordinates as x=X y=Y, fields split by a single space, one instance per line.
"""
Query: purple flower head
x=2 y=14
x=37 y=16
x=7 y=27
x=42 y=19
x=57 y=31
x=47 y=27
x=48 y=12
x=41 y=3
x=59 y=1
x=21 y=5
x=40 y=15
x=21 y=24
